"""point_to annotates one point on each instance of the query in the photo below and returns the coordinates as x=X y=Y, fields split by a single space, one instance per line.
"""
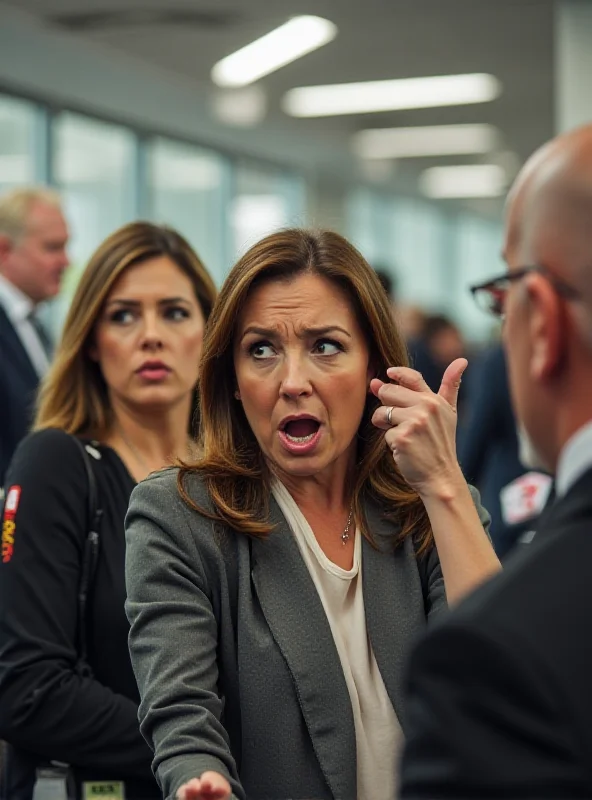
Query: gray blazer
x=233 y=653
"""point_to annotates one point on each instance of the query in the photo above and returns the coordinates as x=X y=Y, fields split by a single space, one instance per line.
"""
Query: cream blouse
x=379 y=737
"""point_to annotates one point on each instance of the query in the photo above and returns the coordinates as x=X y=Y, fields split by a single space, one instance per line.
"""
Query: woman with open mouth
x=276 y=583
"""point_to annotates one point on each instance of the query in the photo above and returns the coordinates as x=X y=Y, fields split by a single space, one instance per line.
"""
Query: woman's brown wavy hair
x=231 y=463
x=73 y=395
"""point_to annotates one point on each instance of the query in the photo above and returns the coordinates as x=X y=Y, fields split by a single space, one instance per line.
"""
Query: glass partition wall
x=109 y=174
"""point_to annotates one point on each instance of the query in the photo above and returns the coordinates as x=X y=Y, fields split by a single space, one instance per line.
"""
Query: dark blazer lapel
x=12 y=350
x=299 y=626
x=575 y=504
x=388 y=589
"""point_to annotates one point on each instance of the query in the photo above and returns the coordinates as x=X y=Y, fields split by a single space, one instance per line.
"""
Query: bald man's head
x=548 y=308
x=550 y=208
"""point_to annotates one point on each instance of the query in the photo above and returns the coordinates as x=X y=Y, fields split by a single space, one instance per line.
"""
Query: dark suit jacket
x=488 y=443
x=234 y=657
x=500 y=695
x=18 y=385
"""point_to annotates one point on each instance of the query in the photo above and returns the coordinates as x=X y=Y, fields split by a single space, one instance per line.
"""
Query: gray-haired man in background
x=33 y=240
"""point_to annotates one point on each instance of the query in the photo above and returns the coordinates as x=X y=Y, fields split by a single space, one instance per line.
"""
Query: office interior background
x=120 y=107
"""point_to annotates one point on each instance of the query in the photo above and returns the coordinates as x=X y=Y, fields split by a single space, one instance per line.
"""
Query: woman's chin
x=158 y=398
x=297 y=466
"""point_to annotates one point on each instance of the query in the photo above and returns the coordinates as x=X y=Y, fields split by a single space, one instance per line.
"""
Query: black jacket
x=47 y=711
x=500 y=695
x=18 y=385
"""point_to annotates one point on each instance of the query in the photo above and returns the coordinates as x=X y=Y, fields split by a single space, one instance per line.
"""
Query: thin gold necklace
x=345 y=536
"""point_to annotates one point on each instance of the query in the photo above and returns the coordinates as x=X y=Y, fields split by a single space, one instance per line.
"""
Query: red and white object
x=525 y=497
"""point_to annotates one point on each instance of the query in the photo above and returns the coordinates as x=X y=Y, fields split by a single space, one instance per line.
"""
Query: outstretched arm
x=173 y=645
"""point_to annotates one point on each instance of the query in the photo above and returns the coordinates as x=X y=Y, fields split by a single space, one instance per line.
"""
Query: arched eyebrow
x=131 y=303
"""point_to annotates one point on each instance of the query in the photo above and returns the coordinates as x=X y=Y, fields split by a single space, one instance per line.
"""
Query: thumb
x=451 y=381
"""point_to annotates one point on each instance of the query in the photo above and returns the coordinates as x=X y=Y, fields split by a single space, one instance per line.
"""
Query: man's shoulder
x=15 y=364
x=7 y=328
x=541 y=592
x=3 y=316
x=7 y=331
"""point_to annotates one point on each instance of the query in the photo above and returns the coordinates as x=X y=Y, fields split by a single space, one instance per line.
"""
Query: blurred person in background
x=275 y=584
x=388 y=284
x=33 y=241
x=438 y=344
x=123 y=380
x=499 y=694
x=443 y=339
x=411 y=321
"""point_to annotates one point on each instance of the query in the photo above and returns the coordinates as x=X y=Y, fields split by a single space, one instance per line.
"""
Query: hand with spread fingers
x=421 y=426
x=210 y=786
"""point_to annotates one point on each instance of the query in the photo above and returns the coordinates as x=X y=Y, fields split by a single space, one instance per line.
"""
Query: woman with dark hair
x=120 y=398
x=276 y=582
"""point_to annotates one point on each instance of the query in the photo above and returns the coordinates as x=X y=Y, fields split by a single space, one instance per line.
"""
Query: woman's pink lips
x=154 y=373
x=300 y=448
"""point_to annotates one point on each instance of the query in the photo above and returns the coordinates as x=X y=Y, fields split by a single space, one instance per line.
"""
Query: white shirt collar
x=16 y=303
x=574 y=460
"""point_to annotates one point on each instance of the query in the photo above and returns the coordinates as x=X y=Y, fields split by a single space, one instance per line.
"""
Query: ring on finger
x=388 y=415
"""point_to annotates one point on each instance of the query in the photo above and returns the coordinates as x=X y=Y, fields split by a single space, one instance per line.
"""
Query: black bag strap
x=90 y=554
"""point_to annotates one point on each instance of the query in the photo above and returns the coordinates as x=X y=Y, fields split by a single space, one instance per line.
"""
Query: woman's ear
x=237 y=394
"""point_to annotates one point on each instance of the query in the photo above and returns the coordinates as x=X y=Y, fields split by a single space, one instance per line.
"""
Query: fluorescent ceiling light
x=294 y=39
x=471 y=180
x=436 y=140
x=394 y=95
x=242 y=108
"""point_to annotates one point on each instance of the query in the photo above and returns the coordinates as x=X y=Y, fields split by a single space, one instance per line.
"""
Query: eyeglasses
x=491 y=295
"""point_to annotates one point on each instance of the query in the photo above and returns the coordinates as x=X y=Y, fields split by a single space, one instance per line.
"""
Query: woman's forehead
x=306 y=294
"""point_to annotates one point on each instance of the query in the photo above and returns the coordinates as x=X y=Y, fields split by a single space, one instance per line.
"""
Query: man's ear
x=546 y=328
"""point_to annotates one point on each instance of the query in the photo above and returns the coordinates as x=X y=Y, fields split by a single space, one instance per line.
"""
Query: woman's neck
x=325 y=492
x=148 y=441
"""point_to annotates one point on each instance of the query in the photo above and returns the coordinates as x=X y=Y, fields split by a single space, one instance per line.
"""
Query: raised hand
x=211 y=786
x=420 y=425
